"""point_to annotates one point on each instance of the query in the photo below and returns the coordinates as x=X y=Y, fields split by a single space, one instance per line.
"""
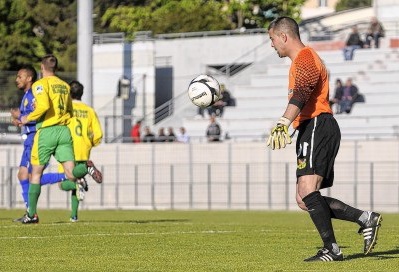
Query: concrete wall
x=107 y=70
x=228 y=175
x=386 y=9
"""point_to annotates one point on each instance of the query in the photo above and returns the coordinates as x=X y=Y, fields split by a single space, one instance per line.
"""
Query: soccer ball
x=204 y=91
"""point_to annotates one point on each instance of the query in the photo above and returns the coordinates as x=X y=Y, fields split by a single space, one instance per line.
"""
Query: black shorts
x=317 y=146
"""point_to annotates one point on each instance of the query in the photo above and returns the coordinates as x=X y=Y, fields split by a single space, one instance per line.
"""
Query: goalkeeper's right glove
x=279 y=136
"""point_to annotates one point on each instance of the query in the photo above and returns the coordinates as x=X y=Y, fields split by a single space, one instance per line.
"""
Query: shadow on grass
x=131 y=221
x=378 y=255
x=156 y=221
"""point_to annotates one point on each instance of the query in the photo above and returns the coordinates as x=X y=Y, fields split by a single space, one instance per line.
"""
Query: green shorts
x=54 y=140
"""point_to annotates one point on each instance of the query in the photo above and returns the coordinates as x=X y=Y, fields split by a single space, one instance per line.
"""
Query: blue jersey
x=26 y=107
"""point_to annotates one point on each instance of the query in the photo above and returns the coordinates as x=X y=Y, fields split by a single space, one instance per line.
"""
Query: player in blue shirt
x=24 y=80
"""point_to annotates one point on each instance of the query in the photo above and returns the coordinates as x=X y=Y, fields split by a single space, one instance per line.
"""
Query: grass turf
x=185 y=241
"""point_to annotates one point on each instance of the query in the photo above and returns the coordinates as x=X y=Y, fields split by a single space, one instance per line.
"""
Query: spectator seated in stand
x=354 y=42
x=225 y=100
x=339 y=90
x=374 y=33
x=183 y=137
x=161 y=135
x=171 y=135
x=350 y=96
x=148 y=137
x=213 y=131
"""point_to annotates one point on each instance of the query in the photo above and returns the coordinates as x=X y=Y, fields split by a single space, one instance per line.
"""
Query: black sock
x=343 y=211
x=319 y=212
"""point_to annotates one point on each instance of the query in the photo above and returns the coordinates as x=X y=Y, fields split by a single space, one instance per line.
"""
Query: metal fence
x=242 y=176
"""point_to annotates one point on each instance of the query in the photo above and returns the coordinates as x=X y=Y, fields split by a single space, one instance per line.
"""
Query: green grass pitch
x=120 y=240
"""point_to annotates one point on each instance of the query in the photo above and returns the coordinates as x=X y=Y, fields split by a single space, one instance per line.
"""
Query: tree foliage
x=33 y=28
x=30 y=29
x=171 y=16
x=259 y=13
x=350 y=4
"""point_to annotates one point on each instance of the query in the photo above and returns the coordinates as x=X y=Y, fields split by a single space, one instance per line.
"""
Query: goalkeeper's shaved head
x=286 y=25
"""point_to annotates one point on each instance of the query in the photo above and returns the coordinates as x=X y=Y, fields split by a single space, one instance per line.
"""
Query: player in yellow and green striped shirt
x=52 y=113
x=86 y=133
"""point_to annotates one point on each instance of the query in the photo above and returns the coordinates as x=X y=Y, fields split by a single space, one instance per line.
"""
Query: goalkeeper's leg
x=310 y=199
x=369 y=222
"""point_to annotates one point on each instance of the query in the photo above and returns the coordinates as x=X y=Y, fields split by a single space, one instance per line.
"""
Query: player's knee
x=22 y=173
x=300 y=203
x=69 y=175
x=21 y=176
x=68 y=169
x=302 y=206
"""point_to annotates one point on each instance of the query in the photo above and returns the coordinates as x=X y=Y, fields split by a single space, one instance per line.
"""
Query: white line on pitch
x=119 y=234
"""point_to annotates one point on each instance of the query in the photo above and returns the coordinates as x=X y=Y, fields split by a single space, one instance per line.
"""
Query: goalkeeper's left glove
x=279 y=136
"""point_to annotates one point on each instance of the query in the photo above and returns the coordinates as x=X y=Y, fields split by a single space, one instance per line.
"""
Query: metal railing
x=214 y=176
x=103 y=38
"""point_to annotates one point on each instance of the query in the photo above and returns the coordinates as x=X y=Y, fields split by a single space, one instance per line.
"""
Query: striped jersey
x=85 y=130
x=53 y=103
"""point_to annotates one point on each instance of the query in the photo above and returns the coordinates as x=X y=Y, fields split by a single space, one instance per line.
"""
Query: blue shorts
x=25 y=158
x=26 y=153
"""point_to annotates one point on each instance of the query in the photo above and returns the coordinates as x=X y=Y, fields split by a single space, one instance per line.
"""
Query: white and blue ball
x=204 y=91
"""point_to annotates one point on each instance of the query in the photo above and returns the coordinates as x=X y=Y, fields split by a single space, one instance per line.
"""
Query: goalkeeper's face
x=278 y=40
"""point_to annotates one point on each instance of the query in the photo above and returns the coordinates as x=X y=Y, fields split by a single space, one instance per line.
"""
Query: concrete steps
x=262 y=100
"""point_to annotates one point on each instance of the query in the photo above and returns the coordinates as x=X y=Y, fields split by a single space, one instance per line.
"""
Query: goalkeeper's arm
x=291 y=112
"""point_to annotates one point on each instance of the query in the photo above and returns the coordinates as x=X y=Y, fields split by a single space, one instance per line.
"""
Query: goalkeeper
x=318 y=141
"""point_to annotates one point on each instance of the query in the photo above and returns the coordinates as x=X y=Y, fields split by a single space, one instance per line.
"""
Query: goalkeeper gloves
x=279 y=136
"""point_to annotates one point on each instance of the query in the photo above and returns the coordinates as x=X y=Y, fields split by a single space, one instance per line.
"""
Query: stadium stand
x=263 y=100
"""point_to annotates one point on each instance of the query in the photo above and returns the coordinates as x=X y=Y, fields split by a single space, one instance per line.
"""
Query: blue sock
x=25 y=190
x=51 y=178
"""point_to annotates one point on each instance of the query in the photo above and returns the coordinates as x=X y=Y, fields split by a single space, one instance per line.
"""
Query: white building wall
x=188 y=57
x=386 y=9
x=143 y=62
x=107 y=70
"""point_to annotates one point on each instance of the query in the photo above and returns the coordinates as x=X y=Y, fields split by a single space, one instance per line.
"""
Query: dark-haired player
x=318 y=141
x=52 y=113
x=26 y=75
x=86 y=133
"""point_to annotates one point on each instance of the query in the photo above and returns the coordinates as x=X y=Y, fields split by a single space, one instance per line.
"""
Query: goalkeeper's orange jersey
x=85 y=130
x=308 y=86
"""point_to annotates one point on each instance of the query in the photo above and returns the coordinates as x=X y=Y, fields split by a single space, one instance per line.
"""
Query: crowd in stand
x=149 y=137
x=213 y=131
x=372 y=38
x=345 y=96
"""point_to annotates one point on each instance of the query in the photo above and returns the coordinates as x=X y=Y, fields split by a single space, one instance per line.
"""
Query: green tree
x=33 y=28
x=29 y=30
x=194 y=15
x=259 y=13
x=350 y=4
x=101 y=6
x=171 y=16
x=167 y=17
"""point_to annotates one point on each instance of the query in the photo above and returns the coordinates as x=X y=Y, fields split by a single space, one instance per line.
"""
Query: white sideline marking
x=120 y=234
